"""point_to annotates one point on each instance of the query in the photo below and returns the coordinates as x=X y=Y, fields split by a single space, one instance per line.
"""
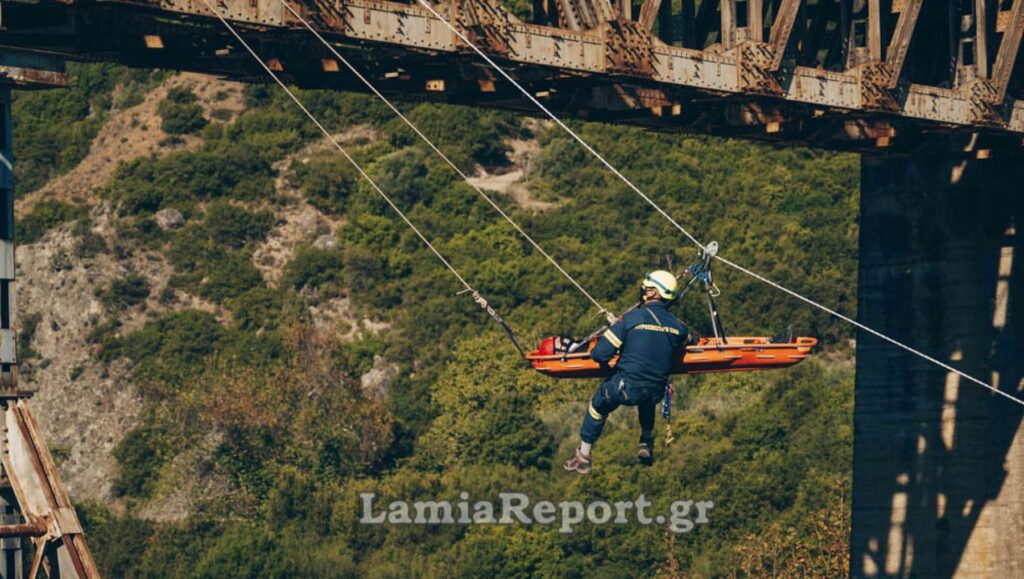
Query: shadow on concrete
x=939 y=461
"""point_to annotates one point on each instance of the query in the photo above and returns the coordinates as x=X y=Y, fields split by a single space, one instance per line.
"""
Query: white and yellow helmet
x=662 y=281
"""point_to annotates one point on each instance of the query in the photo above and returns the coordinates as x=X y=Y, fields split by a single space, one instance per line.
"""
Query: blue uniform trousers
x=618 y=391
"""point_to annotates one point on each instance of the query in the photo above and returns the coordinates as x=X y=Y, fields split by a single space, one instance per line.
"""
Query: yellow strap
x=594 y=413
x=613 y=338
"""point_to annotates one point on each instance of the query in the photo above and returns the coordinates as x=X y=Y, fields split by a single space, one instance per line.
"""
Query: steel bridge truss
x=842 y=74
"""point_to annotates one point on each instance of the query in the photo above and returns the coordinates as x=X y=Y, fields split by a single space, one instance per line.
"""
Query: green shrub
x=192 y=249
x=181 y=95
x=260 y=308
x=141 y=454
x=487 y=412
x=117 y=543
x=258 y=95
x=182 y=178
x=233 y=226
x=313 y=268
x=102 y=333
x=404 y=176
x=90 y=244
x=230 y=277
x=478 y=136
x=59 y=452
x=515 y=436
x=181 y=119
x=124 y=293
x=208 y=267
x=269 y=133
x=327 y=182
x=171 y=348
x=366 y=277
x=244 y=550
x=179 y=112
x=355 y=358
x=144 y=230
x=29 y=326
x=45 y=216
x=260 y=349
x=373 y=232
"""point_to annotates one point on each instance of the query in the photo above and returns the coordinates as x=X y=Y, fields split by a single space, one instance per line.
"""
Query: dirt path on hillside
x=513 y=182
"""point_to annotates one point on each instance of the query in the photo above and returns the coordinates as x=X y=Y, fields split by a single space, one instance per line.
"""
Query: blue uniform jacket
x=650 y=339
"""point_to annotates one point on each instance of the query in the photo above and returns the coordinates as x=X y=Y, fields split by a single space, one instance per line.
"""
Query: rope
x=362 y=173
x=691 y=237
x=455 y=167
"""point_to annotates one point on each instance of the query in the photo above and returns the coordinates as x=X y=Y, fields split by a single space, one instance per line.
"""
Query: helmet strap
x=646 y=294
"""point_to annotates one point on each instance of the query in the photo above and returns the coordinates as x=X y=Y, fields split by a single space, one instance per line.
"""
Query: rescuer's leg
x=607 y=398
x=645 y=450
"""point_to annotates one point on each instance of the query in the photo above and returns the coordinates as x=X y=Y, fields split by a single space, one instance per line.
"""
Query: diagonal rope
x=455 y=167
x=341 y=149
x=691 y=237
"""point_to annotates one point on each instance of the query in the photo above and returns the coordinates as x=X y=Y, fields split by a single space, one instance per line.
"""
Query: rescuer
x=649 y=340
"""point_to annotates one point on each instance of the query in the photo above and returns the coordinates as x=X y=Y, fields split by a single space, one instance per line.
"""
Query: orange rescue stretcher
x=708 y=355
x=562 y=357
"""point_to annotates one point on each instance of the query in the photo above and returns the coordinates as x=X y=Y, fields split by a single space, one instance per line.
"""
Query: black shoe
x=645 y=453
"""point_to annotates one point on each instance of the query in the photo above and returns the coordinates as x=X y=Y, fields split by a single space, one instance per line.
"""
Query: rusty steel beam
x=26 y=70
x=755 y=20
x=875 y=30
x=782 y=31
x=981 y=37
x=22 y=530
x=1009 y=49
x=41 y=496
x=586 y=71
x=727 y=11
x=899 y=45
x=577 y=14
x=624 y=9
x=648 y=12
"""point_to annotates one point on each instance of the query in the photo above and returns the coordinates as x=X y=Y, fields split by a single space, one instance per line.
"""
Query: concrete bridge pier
x=938 y=484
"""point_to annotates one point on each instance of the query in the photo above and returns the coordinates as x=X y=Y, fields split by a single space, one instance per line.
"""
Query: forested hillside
x=285 y=343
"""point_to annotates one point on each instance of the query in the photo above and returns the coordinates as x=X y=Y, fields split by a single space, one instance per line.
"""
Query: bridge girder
x=830 y=73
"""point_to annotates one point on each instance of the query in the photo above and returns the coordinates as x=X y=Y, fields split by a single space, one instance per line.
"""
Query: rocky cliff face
x=84 y=406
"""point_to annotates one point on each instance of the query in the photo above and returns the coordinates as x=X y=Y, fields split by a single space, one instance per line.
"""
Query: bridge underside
x=825 y=73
